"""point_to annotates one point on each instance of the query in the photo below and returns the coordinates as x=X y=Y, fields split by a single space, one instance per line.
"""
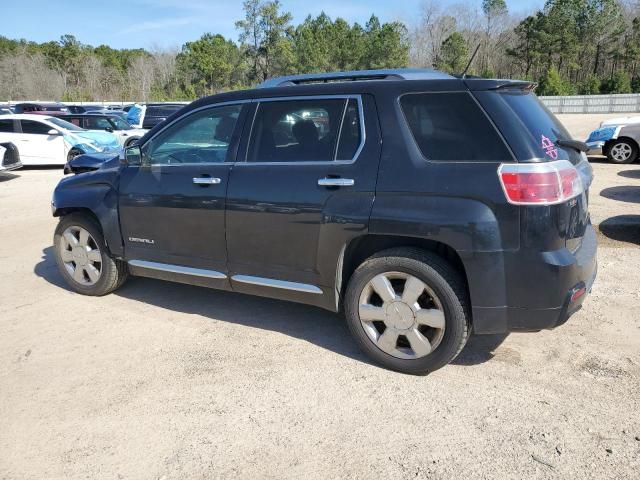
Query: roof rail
x=356 y=76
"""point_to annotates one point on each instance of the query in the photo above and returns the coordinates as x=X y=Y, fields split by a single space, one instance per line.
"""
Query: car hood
x=620 y=121
x=93 y=141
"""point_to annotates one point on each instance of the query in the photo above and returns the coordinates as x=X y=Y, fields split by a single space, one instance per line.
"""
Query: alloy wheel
x=621 y=152
x=80 y=255
x=401 y=315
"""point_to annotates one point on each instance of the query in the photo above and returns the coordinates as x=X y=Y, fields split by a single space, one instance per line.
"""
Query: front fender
x=97 y=192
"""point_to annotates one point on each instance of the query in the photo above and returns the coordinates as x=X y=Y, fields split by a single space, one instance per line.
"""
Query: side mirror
x=53 y=131
x=109 y=129
x=133 y=155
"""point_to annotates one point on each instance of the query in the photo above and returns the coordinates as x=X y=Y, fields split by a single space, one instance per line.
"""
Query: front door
x=172 y=205
x=37 y=147
x=305 y=189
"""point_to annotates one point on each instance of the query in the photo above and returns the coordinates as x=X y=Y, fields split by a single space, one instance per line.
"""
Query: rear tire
x=622 y=151
x=425 y=311
x=83 y=259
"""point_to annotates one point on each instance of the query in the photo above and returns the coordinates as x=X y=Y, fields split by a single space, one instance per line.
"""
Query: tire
x=444 y=300
x=73 y=153
x=622 y=151
x=112 y=273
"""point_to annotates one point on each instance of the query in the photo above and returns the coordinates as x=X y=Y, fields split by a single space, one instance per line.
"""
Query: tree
x=454 y=54
x=553 y=84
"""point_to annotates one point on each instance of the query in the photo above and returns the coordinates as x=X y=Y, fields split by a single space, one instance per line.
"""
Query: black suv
x=420 y=204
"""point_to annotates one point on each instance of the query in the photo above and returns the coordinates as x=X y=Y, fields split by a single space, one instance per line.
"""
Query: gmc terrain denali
x=420 y=204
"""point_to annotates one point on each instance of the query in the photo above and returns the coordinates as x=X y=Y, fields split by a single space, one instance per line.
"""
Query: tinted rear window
x=451 y=126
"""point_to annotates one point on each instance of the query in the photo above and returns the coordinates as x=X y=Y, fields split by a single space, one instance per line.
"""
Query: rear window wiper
x=574 y=144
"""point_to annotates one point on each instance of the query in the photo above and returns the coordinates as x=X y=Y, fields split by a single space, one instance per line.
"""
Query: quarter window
x=451 y=126
x=305 y=131
x=36 y=128
x=202 y=137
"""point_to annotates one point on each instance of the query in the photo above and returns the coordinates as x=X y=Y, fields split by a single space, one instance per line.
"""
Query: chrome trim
x=271 y=282
x=165 y=267
x=363 y=130
x=336 y=182
x=206 y=180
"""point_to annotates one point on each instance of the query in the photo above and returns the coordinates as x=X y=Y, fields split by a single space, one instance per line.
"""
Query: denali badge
x=142 y=240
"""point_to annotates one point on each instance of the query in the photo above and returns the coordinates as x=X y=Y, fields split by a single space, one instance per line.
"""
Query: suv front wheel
x=82 y=257
x=406 y=309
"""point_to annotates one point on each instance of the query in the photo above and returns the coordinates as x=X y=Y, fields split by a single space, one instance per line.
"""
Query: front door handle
x=336 y=182
x=206 y=181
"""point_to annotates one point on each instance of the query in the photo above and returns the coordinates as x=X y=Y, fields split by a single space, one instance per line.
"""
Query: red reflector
x=578 y=293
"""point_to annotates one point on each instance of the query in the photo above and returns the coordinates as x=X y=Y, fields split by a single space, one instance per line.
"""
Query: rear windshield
x=451 y=126
x=162 y=111
x=541 y=129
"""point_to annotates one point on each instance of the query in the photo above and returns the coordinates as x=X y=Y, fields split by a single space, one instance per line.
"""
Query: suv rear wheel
x=406 y=309
x=82 y=257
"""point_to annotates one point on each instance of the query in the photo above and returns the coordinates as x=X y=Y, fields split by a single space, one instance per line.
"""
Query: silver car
x=618 y=139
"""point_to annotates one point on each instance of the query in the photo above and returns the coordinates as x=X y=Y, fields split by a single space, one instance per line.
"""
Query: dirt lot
x=169 y=381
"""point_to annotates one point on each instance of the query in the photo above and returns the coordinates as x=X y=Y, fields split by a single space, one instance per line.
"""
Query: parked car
x=5 y=110
x=9 y=157
x=126 y=134
x=43 y=140
x=50 y=109
x=83 y=108
x=117 y=113
x=421 y=205
x=617 y=139
x=149 y=115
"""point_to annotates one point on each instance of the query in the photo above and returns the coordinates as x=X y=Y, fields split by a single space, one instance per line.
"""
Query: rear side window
x=6 y=126
x=33 y=127
x=319 y=130
x=162 y=111
x=451 y=126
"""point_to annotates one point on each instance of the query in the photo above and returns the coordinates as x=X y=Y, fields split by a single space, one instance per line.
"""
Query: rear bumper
x=595 y=148
x=562 y=275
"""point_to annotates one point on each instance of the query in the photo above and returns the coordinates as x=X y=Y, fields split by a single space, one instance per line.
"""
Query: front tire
x=83 y=259
x=622 y=151
x=73 y=153
x=407 y=310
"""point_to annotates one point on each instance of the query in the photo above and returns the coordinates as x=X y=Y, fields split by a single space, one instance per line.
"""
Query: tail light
x=546 y=183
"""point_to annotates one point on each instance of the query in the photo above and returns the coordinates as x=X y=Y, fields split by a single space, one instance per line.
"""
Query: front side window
x=305 y=131
x=34 y=128
x=451 y=126
x=202 y=137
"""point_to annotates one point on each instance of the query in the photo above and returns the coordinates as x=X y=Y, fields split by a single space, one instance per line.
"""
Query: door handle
x=336 y=182
x=206 y=181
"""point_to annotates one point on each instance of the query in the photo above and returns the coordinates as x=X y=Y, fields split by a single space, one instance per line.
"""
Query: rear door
x=172 y=205
x=304 y=189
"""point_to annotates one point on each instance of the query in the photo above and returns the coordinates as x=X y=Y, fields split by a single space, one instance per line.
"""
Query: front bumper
x=559 y=275
x=595 y=148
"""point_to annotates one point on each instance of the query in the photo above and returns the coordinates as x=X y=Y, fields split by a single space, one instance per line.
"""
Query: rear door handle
x=336 y=182
x=206 y=181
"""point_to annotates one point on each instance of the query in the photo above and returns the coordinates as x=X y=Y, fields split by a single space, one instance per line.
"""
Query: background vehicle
x=83 y=108
x=617 y=139
x=471 y=214
x=149 y=115
x=43 y=140
x=126 y=134
x=5 y=109
x=9 y=157
x=41 y=108
x=115 y=113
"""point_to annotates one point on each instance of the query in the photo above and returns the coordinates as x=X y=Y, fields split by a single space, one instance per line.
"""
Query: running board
x=282 y=284
x=165 y=267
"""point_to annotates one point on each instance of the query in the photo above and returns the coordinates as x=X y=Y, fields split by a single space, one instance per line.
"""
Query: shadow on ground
x=622 y=228
x=622 y=193
x=6 y=176
x=630 y=173
x=311 y=324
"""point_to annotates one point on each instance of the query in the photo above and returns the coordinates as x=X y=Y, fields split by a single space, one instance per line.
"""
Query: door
x=172 y=205
x=37 y=147
x=9 y=130
x=305 y=189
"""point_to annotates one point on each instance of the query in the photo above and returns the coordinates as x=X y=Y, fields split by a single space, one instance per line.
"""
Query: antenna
x=464 y=74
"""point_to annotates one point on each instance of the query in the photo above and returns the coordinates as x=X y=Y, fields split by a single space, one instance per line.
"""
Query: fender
x=96 y=191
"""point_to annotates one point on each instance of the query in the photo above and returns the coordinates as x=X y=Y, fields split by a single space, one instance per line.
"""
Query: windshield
x=64 y=124
x=119 y=123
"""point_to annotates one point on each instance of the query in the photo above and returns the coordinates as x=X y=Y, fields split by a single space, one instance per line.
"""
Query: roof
x=26 y=116
x=357 y=75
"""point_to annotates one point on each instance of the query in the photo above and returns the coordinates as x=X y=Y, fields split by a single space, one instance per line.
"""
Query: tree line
x=568 y=47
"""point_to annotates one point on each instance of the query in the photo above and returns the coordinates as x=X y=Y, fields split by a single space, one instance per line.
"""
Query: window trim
x=347 y=97
x=484 y=113
x=180 y=118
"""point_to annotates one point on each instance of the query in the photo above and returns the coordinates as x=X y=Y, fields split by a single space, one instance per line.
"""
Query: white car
x=9 y=158
x=45 y=140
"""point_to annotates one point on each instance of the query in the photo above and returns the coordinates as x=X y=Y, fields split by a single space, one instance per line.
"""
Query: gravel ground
x=165 y=381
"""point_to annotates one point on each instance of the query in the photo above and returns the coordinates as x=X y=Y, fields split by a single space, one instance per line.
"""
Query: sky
x=171 y=23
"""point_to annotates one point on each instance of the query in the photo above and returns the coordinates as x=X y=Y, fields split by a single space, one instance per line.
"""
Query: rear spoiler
x=477 y=84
